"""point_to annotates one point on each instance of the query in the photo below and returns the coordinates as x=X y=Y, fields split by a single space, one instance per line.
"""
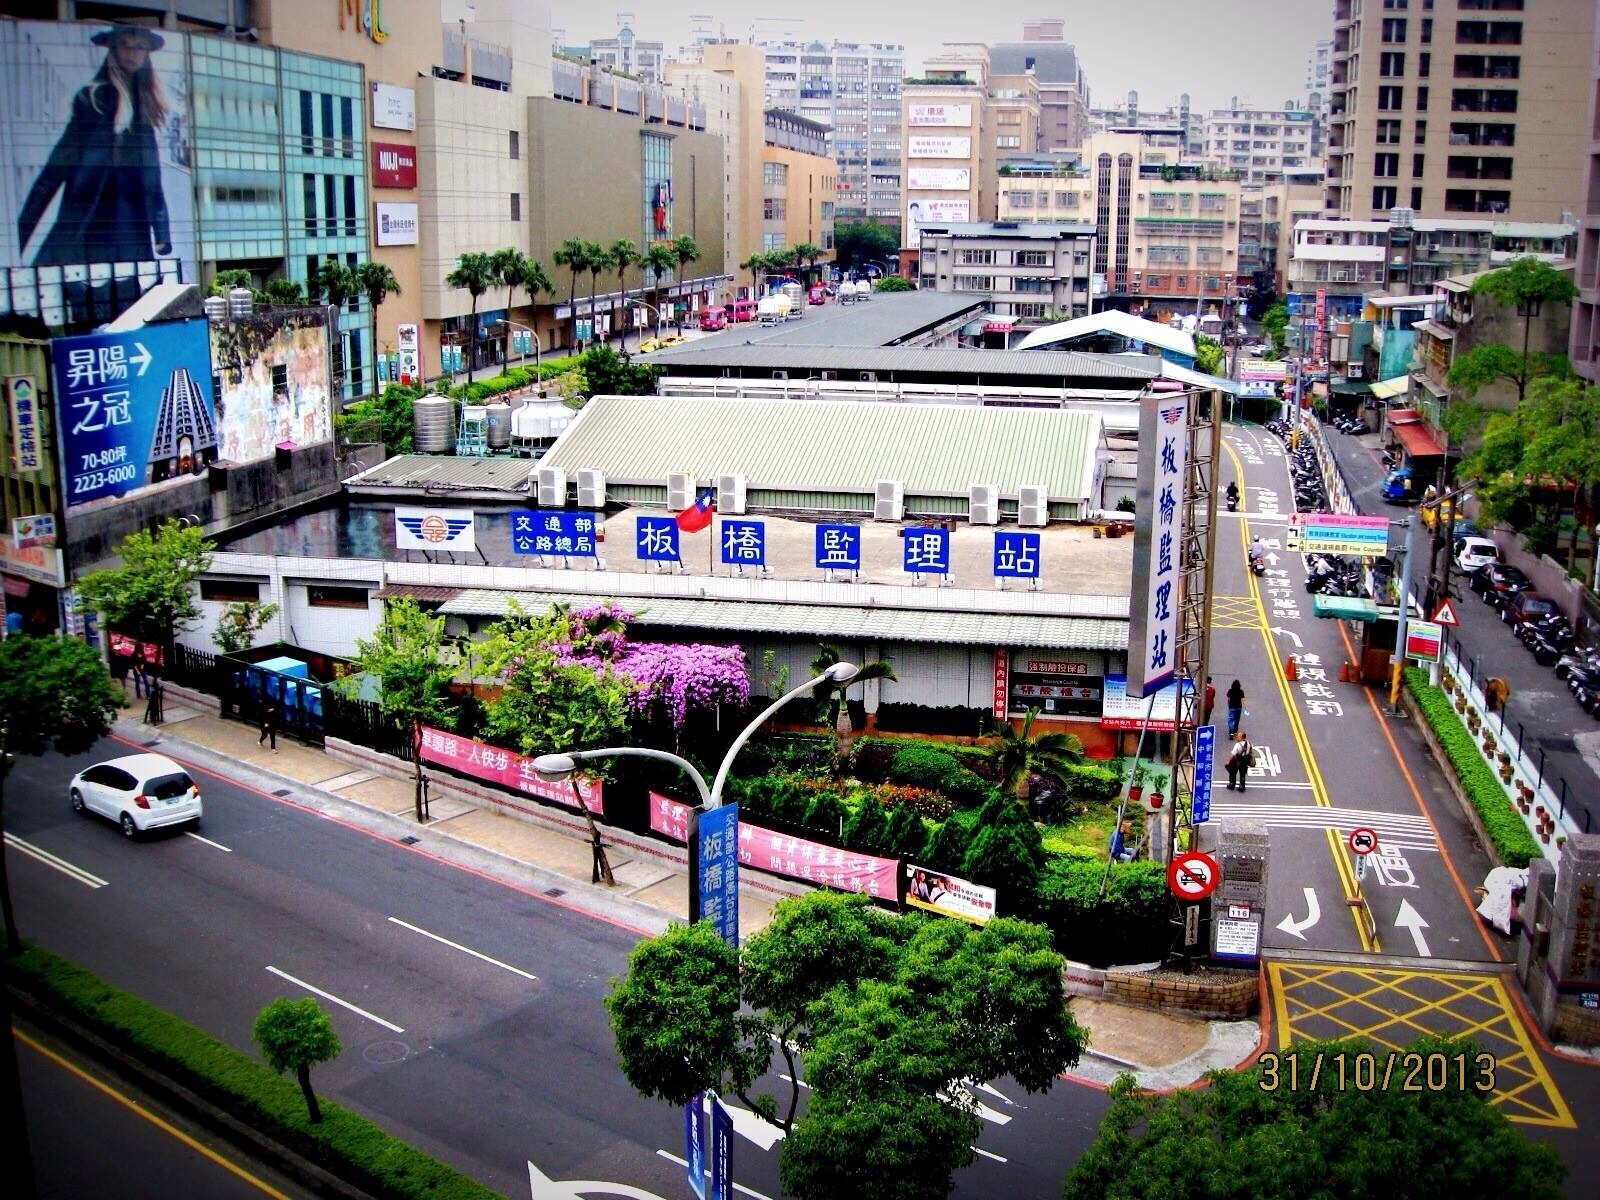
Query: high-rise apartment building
x=947 y=142
x=627 y=53
x=1585 y=343
x=1263 y=145
x=854 y=89
x=1318 y=65
x=1458 y=107
x=1063 y=88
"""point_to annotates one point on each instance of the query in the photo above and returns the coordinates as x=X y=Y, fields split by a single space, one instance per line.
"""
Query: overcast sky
x=1253 y=49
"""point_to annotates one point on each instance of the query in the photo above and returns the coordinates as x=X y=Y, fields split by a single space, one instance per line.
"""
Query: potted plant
x=1141 y=776
x=1504 y=757
x=1158 y=782
x=1505 y=770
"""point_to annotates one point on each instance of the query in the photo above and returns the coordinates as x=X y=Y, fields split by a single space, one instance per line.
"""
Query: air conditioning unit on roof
x=680 y=490
x=888 y=500
x=1033 y=506
x=552 y=487
x=591 y=489
x=731 y=495
x=983 y=504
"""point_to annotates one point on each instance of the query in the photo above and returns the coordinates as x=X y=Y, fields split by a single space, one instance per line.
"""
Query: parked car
x=740 y=310
x=1498 y=580
x=712 y=320
x=650 y=345
x=1526 y=606
x=139 y=792
x=818 y=294
x=1473 y=553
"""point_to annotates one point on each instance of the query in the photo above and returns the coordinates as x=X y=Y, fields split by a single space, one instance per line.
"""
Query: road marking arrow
x=1297 y=928
x=1410 y=918
x=1272 y=558
x=750 y=1126
x=1289 y=633
x=542 y=1187
x=142 y=358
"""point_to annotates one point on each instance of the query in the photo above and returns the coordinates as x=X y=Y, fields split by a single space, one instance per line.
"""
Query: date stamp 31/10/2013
x=1364 y=1071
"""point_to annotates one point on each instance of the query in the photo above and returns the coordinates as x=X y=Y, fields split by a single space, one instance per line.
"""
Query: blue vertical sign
x=839 y=547
x=721 y=1151
x=715 y=844
x=553 y=531
x=744 y=543
x=694 y=1146
x=926 y=550
x=656 y=539
x=1016 y=554
x=1205 y=758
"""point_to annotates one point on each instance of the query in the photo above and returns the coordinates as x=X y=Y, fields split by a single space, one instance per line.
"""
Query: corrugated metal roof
x=1112 y=321
x=446 y=475
x=716 y=354
x=422 y=593
x=885 y=320
x=833 y=621
x=834 y=446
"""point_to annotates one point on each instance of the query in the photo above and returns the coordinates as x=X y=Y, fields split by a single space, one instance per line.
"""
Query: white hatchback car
x=1476 y=553
x=139 y=791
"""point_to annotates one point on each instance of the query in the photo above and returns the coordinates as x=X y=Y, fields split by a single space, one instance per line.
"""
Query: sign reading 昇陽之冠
x=1158 y=542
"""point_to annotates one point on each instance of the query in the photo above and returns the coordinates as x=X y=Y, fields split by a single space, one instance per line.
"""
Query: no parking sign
x=1193 y=876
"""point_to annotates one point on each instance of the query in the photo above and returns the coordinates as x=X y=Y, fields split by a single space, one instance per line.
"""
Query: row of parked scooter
x=1346 y=423
x=1326 y=574
x=1538 y=624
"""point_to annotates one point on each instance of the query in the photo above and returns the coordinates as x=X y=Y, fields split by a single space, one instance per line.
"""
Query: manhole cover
x=408 y=840
x=555 y=892
x=379 y=1053
x=281 y=792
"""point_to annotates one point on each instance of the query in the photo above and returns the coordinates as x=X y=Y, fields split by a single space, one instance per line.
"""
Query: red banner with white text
x=506 y=768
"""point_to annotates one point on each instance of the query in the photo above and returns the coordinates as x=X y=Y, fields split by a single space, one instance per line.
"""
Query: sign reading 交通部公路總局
x=1158 y=542
x=553 y=532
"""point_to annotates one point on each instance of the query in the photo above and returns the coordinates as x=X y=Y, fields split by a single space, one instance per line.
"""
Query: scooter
x=1258 y=564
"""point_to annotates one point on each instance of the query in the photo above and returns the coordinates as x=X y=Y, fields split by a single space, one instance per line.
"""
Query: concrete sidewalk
x=1162 y=1049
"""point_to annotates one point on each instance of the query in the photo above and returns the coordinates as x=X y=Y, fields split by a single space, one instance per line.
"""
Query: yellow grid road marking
x=1469 y=1005
x=1234 y=612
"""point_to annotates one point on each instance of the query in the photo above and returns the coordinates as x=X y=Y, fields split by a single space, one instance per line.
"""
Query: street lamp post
x=555 y=767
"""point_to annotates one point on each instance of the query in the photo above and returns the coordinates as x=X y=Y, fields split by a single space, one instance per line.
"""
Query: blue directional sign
x=714 y=844
x=721 y=1151
x=1205 y=758
x=133 y=408
x=744 y=543
x=655 y=539
x=1016 y=554
x=552 y=531
x=839 y=547
x=926 y=550
x=694 y=1146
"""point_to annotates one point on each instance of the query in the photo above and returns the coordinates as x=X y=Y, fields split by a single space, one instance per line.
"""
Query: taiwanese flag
x=698 y=515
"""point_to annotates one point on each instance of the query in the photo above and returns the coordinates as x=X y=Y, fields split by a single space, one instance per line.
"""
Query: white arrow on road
x=542 y=1187
x=1410 y=918
x=1272 y=558
x=751 y=1127
x=142 y=358
x=1289 y=633
x=1298 y=928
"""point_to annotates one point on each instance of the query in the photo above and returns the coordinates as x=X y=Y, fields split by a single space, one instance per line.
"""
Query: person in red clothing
x=1210 y=701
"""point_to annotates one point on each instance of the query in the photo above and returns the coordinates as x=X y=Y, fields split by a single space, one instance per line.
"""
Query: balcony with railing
x=1488 y=66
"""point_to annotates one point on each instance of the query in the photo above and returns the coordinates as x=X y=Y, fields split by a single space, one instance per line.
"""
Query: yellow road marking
x=164 y=1126
x=1519 y=1071
x=1366 y=929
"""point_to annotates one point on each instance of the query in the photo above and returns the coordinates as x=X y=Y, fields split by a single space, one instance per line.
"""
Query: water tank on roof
x=499 y=415
x=433 y=420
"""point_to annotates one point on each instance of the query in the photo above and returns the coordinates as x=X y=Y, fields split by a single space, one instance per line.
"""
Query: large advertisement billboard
x=948 y=115
x=396 y=224
x=393 y=107
x=281 y=392
x=927 y=145
x=939 y=179
x=394 y=165
x=921 y=212
x=95 y=168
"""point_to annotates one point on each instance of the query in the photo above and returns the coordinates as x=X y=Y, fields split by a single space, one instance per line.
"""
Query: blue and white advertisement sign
x=1205 y=760
x=744 y=543
x=133 y=408
x=694 y=1145
x=716 y=854
x=553 y=531
x=926 y=550
x=1157 y=542
x=721 y=1151
x=655 y=539
x=839 y=547
x=1016 y=554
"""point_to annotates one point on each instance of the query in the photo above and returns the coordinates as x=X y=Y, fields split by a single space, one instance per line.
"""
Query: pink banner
x=670 y=818
x=505 y=767
x=797 y=858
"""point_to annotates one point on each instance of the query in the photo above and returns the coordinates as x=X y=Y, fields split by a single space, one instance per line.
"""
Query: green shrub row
x=1133 y=923
x=1513 y=844
x=344 y=1144
x=513 y=378
x=932 y=767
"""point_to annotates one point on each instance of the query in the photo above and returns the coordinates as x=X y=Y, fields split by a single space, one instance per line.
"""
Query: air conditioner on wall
x=680 y=490
x=731 y=495
x=552 y=487
x=888 y=500
x=1033 y=506
x=591 y=489
x=983 y=504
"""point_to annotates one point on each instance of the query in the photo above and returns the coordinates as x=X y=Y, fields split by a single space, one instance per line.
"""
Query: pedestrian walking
x=269 y=725
x=1240 y=759
x=1210 y=701
x=141 y=677
x=1235 y=706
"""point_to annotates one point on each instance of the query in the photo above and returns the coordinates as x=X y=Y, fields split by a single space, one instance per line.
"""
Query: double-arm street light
x=555 y=767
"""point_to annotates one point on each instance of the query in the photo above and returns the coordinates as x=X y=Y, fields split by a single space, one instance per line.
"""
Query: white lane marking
x=60 y=864
x=995 y=1092
x=749 y=1125
x=329 y=996
x=738 y=1187
x=1410 y=918
x=987 y=1154
x=209 y=842
x=1298 y=928
x=444 y=941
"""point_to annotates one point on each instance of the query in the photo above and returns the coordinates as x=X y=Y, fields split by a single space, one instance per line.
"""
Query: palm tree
x=806 y=252
x=757 y=264
x=571 y=255
x=828 y=698
x=509 y=266
x=659 y=260
x=684 y=247
x=474 y=272
x=596 y=258
x=335 y=281
x=533 y=280
x=378 y=282
x=781 y=260
x=1018 y=754
x=623 y=254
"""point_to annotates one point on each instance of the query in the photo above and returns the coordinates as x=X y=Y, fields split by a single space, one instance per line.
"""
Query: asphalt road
x=1329 y=758
x=470 y=1011
x=1552 y=721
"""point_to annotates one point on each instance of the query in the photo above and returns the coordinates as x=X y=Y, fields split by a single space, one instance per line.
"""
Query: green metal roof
x=1347 y=608
x=871 y=623
x=834 y=446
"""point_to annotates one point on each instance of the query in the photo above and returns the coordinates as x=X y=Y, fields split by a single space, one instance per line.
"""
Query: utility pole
x=1399 y=661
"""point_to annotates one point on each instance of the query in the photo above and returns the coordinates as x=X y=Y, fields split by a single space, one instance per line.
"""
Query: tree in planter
x=473 y=274
x=595 y=260
x=1018 y=754
x=413 y=684
x=659 y=260
x=239 y=623
x=686 y=252
x=152 y=592
x=296 y=1035
x=829 y=699
x=892 y=1015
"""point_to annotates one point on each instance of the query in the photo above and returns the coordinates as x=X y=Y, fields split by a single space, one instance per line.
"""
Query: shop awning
x=1388 y=389
x=972 y=329
x=1345 y=608
x=1417 y=440
x=999 y=324
x=1352 y=388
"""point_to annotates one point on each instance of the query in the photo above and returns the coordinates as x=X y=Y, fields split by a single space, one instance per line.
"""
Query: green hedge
x=344 y=1144
x=1513 y=844
x=930 y=767
x=1132 y=924
x=512 y=378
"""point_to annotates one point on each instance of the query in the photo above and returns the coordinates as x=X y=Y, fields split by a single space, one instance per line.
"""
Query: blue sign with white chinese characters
x=1016 y=554
x=655 y=539
x=552 y=531
x=694 y=1146
x=716 y=866
x=134 y=408
x=926 y=550
x=721 y=1151
x=839 y=547
x=744 y=543
x=1205 y=758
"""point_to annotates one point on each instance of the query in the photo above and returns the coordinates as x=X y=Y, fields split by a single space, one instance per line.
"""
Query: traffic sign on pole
x=1362 y=841
x=1193 y=875
x=1445 y=614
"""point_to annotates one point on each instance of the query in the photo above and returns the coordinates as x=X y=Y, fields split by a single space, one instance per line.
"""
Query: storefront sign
x=394 y=165
x=1122 y=711
x=396 y=224
x=923 y=145
x=393 y=107
x=39 y=530
x=958 y=115
x=936 y=892
x=1002 y=686
x=410 y=352
x=796 y=858
x=1157 y=542
x=506 y=768
x=41 y=564
x=1057 y=695
x=1057 y=666
x=22 y=403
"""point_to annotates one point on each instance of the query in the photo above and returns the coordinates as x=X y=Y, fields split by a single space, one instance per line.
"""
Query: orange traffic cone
x=1291 y=669
x=1344 y=672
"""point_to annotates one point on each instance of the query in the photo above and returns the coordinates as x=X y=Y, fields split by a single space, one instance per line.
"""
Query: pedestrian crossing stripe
x=1395 y=830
